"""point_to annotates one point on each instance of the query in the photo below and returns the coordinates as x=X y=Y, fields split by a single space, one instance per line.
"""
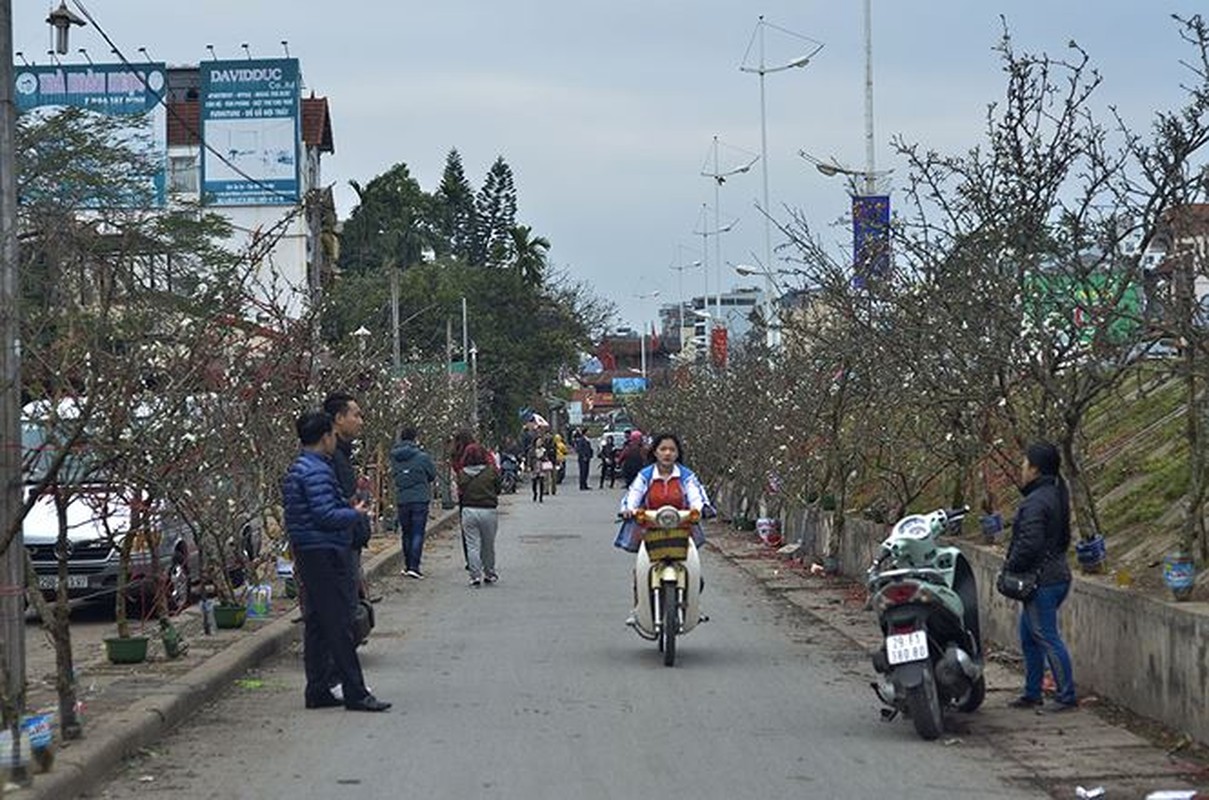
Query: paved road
x=533 y=688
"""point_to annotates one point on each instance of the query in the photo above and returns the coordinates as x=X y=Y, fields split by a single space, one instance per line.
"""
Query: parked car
x=98 y=510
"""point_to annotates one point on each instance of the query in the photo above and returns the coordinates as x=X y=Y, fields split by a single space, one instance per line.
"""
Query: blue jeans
x=1041 y=642
x=413 y=518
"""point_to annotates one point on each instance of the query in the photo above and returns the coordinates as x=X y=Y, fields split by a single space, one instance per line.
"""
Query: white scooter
x=667 y=578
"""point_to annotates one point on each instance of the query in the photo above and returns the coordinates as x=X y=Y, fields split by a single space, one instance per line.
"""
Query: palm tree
x=528 y=254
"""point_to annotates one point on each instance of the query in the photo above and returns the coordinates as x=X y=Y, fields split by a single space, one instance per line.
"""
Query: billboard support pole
x=12 y=572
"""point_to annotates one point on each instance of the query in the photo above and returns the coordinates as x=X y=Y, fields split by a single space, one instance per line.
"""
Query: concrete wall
x=1150 y=656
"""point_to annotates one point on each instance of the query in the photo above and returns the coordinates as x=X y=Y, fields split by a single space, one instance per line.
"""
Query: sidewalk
x=1056 y=754
x=129 y=708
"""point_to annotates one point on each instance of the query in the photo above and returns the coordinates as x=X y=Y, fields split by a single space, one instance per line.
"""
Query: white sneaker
x=338 y=692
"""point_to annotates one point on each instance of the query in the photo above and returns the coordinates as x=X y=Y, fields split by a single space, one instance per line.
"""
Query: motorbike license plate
x=73 y=582
x=906 y=647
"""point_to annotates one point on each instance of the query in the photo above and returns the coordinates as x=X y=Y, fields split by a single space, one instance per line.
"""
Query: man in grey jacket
x=414 y=473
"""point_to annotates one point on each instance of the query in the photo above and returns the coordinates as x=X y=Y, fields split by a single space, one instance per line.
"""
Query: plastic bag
x=259 y=601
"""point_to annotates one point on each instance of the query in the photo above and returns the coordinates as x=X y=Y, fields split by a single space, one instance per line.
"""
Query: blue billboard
x=250 y=116
x=109 y=89
x=870 y=236
x=629 y=385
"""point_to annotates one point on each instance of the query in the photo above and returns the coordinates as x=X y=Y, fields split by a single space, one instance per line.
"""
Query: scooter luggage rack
x=666 y=544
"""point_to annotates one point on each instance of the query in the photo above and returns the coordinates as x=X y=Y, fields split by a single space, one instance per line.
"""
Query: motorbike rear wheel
x=924 y=703
x=671 y=622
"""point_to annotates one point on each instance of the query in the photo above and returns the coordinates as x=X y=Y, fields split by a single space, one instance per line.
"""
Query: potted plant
x=125 y=648
x=1092 y=554
x=992 y=527
x=1179 y=574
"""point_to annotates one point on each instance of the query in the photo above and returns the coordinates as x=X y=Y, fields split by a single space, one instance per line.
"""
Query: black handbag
x=1017 y=585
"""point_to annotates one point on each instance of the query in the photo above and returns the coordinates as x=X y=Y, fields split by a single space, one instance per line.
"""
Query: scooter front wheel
x=671 y=622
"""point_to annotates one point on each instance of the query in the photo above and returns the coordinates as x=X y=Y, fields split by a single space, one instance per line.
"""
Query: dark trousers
x=413 y=519
x=585 y=464
x=329 y=590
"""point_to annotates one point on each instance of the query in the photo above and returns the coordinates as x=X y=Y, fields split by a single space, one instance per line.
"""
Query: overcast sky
x=607 y=111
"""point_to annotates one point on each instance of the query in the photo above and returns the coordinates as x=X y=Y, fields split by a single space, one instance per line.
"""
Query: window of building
x=182 y=174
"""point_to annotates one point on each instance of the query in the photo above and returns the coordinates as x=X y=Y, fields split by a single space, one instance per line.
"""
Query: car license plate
x=906 y=647
x=52 y=582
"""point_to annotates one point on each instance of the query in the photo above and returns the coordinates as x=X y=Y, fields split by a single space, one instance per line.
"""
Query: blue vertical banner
x=250 y=114
x=870 y=237
x=115 y=90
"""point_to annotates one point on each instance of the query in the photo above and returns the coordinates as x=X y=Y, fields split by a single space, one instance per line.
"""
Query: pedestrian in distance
x=461 y=440
x=608 y=462
x=560 y=462
x=633 y=457
x=583 y=454
x=1040 y=539
x=414 y=473
x=539 y=468
x=319 y=523
x=479 y=484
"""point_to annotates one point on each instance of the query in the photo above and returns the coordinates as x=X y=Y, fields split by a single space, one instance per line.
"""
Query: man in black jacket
x=583 y=454
x=1040 y=539
x=347 y=425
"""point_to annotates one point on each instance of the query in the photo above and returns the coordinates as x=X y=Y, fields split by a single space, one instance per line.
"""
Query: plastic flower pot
x=230 y=616
x=126 y=649
x=1179 y=574
x=992 y=527
x=1092 y=554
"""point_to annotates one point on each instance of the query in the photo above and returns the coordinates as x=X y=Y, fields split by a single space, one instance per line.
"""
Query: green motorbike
x=926 y=599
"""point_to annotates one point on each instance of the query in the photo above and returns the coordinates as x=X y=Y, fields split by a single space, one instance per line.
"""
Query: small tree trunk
x=58 y=628
x=1081 y=495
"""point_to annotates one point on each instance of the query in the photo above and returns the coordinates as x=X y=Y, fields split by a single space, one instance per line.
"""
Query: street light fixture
x=719 y=177
x=763 y=69
x=642 y=330
x=716 y=232
x=680 y=293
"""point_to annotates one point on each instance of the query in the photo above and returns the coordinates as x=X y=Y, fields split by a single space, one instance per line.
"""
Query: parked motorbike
x=927 y=606
x=510 y=470
x=667 y=578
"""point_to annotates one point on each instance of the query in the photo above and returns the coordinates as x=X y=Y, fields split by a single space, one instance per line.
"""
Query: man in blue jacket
x=414 y=473
x=319 y=523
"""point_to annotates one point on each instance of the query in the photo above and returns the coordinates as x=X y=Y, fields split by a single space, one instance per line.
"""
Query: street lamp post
x=642 y=331
x=680 y=294
x=763 y=69
x=719 y=177
x=716 y=232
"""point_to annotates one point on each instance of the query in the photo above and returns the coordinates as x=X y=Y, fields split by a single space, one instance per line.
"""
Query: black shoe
x=1056 y=707
x=323 y=701
x=1024 y=701
x=367 y=703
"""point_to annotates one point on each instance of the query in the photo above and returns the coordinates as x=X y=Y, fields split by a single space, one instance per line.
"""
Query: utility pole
x=397 y=348
x=12 y=555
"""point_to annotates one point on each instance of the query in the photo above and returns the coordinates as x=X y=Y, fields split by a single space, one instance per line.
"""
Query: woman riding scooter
x=665 y=482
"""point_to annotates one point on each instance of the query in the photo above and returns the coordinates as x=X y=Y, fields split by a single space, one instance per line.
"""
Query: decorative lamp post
x=762 y=68
x=61 y=19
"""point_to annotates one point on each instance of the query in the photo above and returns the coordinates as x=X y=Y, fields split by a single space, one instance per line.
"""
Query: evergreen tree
x=455 y=209
x=391 y=225
x=495 y=215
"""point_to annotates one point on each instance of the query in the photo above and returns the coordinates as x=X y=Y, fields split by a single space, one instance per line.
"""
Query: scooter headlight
x=667 y=518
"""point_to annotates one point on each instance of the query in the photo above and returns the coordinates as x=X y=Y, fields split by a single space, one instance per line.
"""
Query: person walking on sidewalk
x=539 y=466
x=414 y=473
x=1040 y=539
x=583 y=454
x=479 y=483
x=560 y=462
x=632 y=457
x=319 y=524
x=608 y=462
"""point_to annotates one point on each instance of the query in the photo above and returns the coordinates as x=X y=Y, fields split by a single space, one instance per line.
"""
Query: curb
x=85 y=762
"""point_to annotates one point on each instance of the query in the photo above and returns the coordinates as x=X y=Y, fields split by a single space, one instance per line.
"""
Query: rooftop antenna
x=247 y=50
x=146 y=56
x=285 y=45
x=84 y=53
x=21 y=56
x=210 y=50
